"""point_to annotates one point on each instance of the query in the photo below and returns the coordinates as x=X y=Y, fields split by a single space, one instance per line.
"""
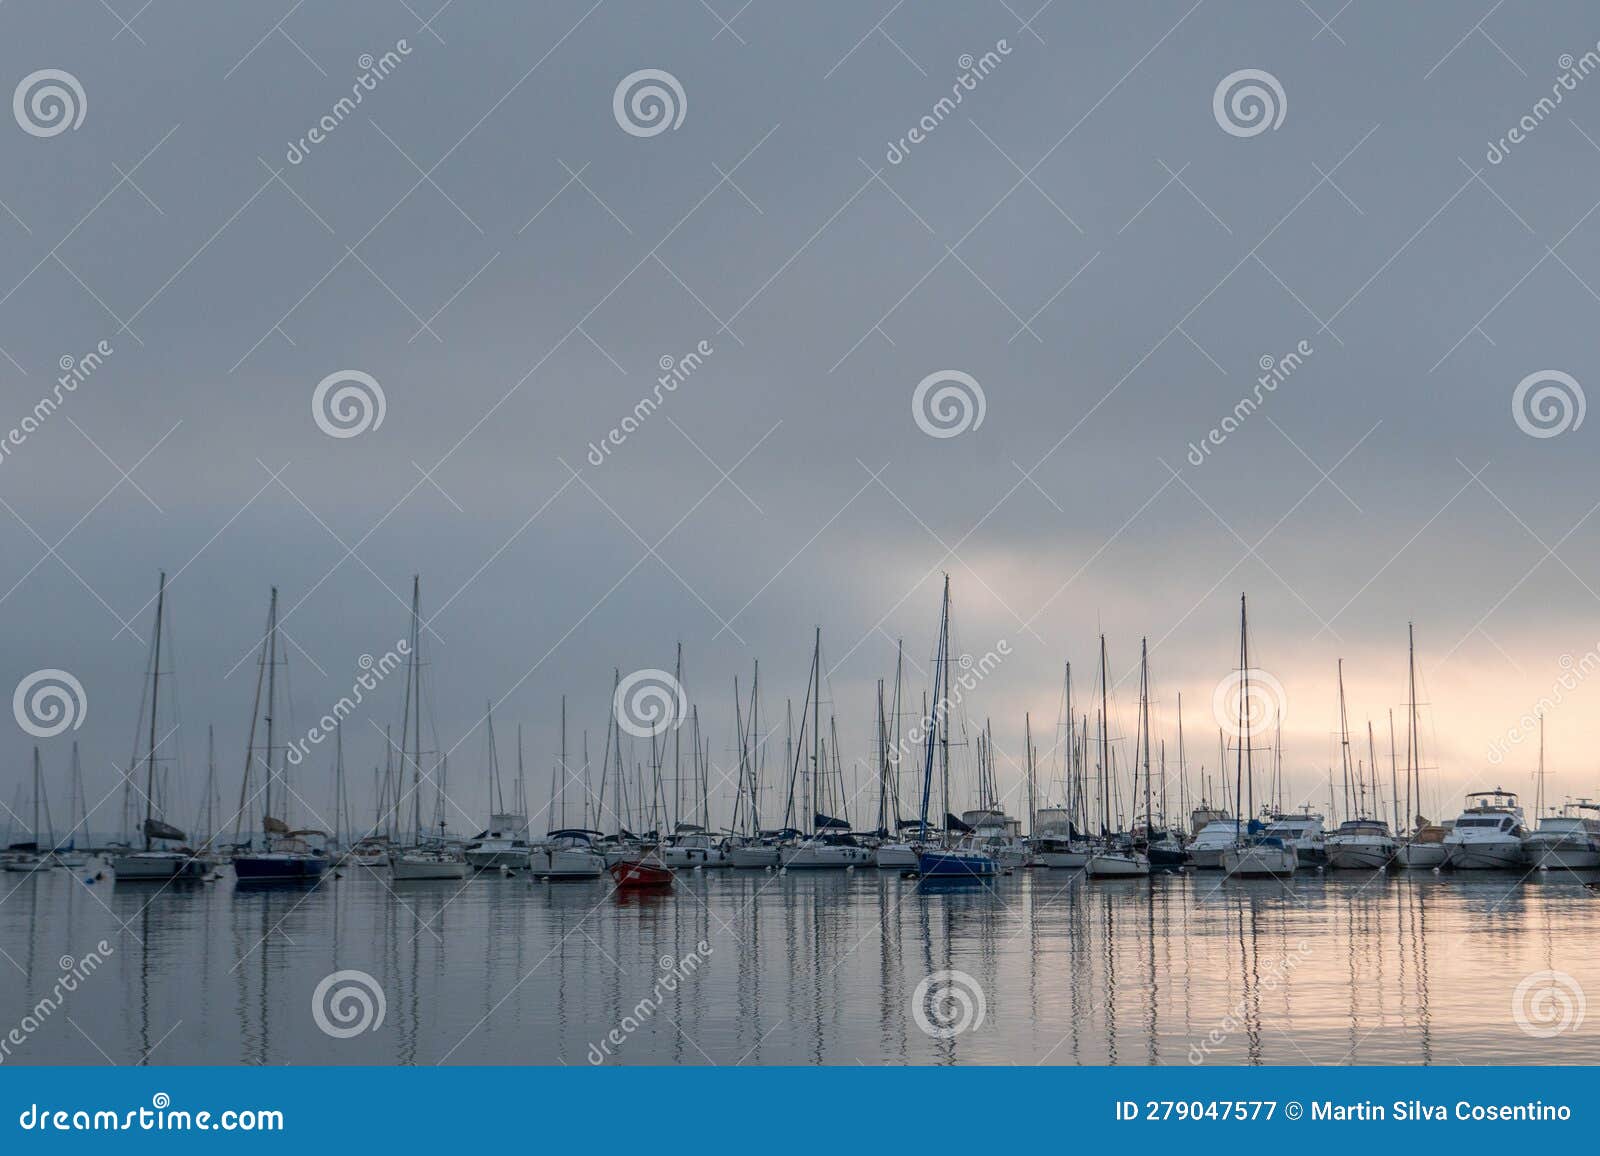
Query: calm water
x=807 y=969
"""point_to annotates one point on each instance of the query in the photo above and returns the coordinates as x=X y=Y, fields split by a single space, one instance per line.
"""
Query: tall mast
x=1144 y=710
x=677 y=740
x=1394 y=781
x=1413 y=746
x=1105 y=742
x=943 y=707
x=272 y=684
x=1027 y=742
x=816 y=734
x=1183 y=772
x=1240 y=785
x=155 y=684
x=1344 y=745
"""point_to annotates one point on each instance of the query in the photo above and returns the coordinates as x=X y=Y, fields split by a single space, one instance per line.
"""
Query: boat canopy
x=829 y=823
x=156 y=829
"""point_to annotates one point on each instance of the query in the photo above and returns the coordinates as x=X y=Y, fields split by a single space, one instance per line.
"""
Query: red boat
x=646 y=873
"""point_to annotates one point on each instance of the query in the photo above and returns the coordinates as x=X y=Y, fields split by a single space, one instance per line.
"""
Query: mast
x=1344 y=748
x=1183 y=772
x=1394 y=782
x=38 y=785
x=1241 y=785
x=1144 y=711
x=1027 y=742
x=1413 y=746
x=272 y=683
x=1372 y=761
x=677 y=740
x=816 y=734
x=943 y=707
x=155 y=685
x=1105 y=743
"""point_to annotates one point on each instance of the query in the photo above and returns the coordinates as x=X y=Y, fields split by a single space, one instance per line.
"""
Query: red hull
x=631 y=874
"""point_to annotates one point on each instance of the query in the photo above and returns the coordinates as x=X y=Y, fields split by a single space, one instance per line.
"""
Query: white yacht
x=1569 y=841
x=696 y=849
x=427 y=863
x=1361 y=845
x=373 y=853
x=1219 y=834
x=566 y=854
x=1425 y=848
x=897 y=856
x=1302 y=834
x=1117 y=863
x=504 y=844
x=757 y=853
x=1259 y=856
x=1488 y=833
x=821 y=852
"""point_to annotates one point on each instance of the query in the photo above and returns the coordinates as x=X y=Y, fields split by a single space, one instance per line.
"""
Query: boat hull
x=405 y=870
x=1421 y=856
x=1117 y=865
x=691 y=857
x=157 y=868
x=285 y=869
x=1063 y=860
x=1360 y=856
x=565 y=863
x=956 y=865
x=1205 y=858
x=755 y=857
x=1557 y=857
x=482 y=859
x=896 y=856
x=637 y=875
x=1486 y=855
x=825 y=858
x=1260 y=862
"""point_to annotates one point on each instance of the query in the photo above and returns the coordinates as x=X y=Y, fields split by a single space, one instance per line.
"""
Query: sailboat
x=432 y=858
x=286 y=855
x=565 y=852
x=38 y=854
x=1361 y=843
x=829 y=844
x=1424 y=846
x=504 y=843
x=756 y=848
x=1253 y=854
x=1162 y=848
x=1112 y=858
x=1056 y=839
x=157 y=863
x=951 y=859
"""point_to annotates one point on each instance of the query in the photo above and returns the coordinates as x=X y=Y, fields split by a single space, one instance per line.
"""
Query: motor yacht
x=566 y=854
x=1206 y=848
x=1301 y=833
x=1260 y=856
x=1361 y=845
x=504 y=844
x=1569 y=841
x=1487 y=834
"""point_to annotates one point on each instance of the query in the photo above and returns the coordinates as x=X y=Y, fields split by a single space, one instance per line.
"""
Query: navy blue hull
x=290 y=870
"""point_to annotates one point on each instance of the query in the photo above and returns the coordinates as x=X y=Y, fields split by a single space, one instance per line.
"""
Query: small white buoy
x=1544 y=867
x=1436 y=871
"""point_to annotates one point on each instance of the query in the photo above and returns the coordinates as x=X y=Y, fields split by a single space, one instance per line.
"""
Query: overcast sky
x=1082 y=235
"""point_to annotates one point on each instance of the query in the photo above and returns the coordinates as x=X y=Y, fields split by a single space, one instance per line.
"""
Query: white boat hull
x=156 y=866
x=30 y=865
x=1360 y=854
x=409 y=870
x=1205 y=858
x=808 y=857
x=756 y=857
x=896 y=856
x=494 y=858
x=1260 y=862
x=1421 y=855
x=690 y=857
x=566 y=863
x=1064 y=860
x=1559 y=857
x=1486 y=855
x=1117 y=865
